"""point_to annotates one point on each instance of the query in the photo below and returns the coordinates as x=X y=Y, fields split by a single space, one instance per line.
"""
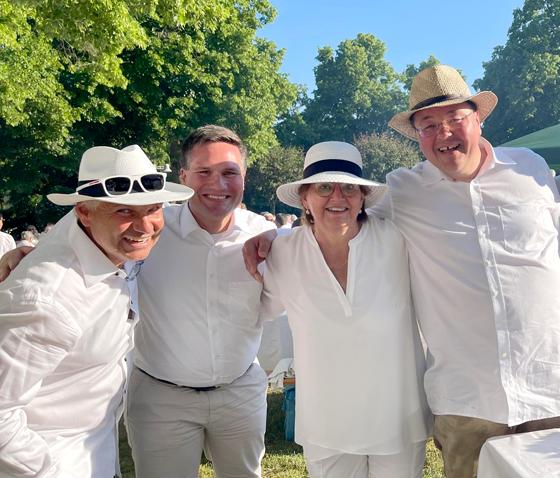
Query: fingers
x=251 y=259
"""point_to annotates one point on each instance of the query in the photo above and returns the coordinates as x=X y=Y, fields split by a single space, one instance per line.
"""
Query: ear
x=84 y=214
x=183 y=174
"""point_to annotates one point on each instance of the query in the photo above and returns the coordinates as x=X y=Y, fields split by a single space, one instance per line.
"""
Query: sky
x=462 y=34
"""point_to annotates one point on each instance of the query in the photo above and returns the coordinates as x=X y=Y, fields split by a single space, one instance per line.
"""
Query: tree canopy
x=525 y=73
x=78 y=74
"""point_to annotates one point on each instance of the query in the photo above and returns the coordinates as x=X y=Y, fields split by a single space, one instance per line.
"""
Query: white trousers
x=169 y=427
x=407 y=464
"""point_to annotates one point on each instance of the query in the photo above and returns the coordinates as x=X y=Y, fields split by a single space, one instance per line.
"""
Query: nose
x=143 y=223
x=443 y=129
x=337 y=192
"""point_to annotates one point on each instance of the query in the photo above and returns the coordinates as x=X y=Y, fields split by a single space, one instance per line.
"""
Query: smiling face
x=216 y=172
x=455 y=150
x=333 y=213
x=122 y=232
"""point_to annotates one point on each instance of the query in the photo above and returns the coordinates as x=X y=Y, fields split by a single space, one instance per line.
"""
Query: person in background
x=67 y=315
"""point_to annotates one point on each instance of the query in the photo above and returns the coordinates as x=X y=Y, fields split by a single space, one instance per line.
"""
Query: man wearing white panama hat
x=66 y=320
x=482 y=229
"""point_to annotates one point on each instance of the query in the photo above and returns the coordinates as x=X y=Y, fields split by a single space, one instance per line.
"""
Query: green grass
x=283 y=459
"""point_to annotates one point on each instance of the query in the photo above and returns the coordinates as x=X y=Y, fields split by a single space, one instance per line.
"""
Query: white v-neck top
x=358 y=358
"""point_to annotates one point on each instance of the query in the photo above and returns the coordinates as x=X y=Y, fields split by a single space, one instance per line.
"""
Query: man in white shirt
x=481 y=225
x=66 y=319
x=196 y=385
x=7 y=242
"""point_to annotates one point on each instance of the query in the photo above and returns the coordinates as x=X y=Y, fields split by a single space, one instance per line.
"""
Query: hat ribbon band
x=340 y=165
x=437 y=99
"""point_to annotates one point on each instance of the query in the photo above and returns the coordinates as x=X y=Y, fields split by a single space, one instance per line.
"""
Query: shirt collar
x=188 y=223
x=95 y=265
x=431 y=174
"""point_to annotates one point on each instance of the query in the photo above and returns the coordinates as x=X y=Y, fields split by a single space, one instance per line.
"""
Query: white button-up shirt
x=200 y=308
x=358 y=358
x=485 y=275
x=7 y=243
x=65 y=329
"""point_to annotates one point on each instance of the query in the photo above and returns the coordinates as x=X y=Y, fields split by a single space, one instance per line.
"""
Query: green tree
x=357 y=91
x=280 y=165
x=124 y=71
x=382 y=153
x=525 y=73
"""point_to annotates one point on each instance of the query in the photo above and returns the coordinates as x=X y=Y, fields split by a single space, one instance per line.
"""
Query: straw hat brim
x=171 y=193
x=485 y=102
x=289 y=193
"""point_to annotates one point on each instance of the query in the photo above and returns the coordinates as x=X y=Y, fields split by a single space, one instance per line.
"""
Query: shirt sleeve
x=271 y=305
x=34 y=339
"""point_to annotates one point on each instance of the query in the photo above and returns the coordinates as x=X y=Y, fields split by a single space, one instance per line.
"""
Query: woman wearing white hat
x=343 y=280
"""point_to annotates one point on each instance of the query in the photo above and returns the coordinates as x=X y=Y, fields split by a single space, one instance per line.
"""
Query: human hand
x=255 y=251
x=10 y=260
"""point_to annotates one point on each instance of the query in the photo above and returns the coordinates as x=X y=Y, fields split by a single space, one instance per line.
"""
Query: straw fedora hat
x=440 y=85
x=331 y=162
x=124 y=176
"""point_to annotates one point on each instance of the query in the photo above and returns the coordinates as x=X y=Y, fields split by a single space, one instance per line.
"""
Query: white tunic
x=358 y=358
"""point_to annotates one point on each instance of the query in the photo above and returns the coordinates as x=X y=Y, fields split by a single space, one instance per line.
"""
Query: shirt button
x=504 y=355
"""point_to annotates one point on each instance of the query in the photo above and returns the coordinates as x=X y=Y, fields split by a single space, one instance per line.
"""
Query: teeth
x=448 y=148
x=336 y=209
x=138 y=241
x=214 y=196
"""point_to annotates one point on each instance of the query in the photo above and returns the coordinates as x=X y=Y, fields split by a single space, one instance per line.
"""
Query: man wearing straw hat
x=66 y=320
x=482 y=229
x=481 y=225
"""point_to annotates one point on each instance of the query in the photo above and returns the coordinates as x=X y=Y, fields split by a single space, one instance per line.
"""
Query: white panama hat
x=439 y=85
x=102 y=162
x=331 y=162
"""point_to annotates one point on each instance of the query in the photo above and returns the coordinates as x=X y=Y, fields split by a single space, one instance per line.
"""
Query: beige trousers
x=407 y=464
x=461 y=438
x=169 y=427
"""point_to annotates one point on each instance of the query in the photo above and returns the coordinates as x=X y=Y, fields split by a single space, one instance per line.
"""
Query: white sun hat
x=440 y=85
x=331 y=162
x=124 y=176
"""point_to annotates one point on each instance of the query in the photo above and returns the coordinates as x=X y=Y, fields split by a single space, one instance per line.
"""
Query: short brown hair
x=211 y=133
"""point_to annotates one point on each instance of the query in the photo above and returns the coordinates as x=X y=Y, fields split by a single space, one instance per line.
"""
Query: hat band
x=436 y=99
x=340 y=165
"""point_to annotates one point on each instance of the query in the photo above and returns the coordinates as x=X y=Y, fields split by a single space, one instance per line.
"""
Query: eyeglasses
x=452 y=124
x=326 y=189
x=119 y=185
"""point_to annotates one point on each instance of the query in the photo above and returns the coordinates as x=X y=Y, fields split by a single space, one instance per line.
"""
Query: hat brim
x=171 y=193
x=289 y=193
x=485 y=102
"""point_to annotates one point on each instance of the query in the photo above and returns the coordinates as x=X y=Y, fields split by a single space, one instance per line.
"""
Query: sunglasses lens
x=118 y=185
x=153 y=182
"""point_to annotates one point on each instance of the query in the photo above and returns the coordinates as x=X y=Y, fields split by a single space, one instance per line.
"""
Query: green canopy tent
x=545 y=142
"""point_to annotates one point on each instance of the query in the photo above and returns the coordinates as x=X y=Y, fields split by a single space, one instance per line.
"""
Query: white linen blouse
x=358 y=357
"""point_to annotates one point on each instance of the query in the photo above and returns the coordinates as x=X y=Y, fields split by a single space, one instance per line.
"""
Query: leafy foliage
x=525 y=73
x=357 y=91
x=382 y=153
x=280 y=165
x=117 y=72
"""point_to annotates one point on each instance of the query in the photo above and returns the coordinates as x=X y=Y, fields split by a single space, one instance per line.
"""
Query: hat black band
x=332 y=165
x=437 y=99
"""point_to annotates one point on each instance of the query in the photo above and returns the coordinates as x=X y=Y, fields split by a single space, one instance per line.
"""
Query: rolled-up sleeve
x=34 y=338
